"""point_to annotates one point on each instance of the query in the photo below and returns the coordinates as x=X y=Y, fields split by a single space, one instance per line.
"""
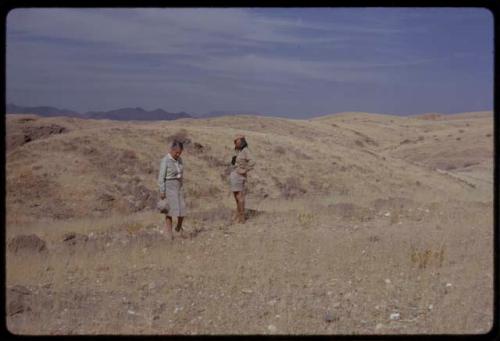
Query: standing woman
x=170 y=181
x=240 y=165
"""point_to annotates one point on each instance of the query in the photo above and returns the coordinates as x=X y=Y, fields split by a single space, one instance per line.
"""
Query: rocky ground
x=358 y=224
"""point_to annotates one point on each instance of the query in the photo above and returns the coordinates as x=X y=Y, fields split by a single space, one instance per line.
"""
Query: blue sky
x=295 y=62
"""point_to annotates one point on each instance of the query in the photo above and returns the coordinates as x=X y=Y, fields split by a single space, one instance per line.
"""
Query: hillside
x=352 y=217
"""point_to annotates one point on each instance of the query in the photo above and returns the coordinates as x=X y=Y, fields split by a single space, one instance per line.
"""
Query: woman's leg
x=179 y=228
x=241 y=207
x=237 y=206
x=179 y=223
x=168 y=226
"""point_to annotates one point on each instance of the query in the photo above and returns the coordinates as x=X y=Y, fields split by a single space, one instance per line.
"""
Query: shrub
x=181 y=136
x=279 y=150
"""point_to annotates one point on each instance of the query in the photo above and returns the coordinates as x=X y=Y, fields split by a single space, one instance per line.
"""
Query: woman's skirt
x=237 y=182
x=175 y=198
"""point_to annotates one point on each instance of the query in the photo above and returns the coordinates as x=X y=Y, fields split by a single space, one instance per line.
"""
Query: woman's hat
x=237 y=137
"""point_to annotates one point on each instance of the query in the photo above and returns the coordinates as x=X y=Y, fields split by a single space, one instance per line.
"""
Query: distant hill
x=45 y=111
x=139 y=114
x=218 y=113
x=123 y=114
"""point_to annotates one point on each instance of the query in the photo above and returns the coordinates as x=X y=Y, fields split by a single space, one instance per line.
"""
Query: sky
x=293 y=62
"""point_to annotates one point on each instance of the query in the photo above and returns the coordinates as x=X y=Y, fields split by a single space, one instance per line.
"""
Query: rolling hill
x=358 y=223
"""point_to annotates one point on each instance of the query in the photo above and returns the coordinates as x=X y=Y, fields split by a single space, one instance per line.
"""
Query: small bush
x=305 y=218
x=290 y=188
x=427 y=257
x=181 y=136
x=279 y=150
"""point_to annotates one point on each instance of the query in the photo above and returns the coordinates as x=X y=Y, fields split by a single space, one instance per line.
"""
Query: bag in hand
x=163 y=206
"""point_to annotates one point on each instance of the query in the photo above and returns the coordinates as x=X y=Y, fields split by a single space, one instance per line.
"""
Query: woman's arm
x=161 y=177
x=250 y=161
x=246 y=162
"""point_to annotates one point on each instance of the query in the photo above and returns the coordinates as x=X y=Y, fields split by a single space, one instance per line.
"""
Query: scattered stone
x=247 y=291
x=387 y=214
x=379 y=326
x=394 y=316
x=430 y=306
x=330 y=317
x=272 y=328
x=387 y=281
x=272 y=302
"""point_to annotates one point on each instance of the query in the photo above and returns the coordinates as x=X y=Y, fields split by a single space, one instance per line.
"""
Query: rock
x=29 y=133
x=330 y=317
x=30 y=243
x=272 y=302
x=379 y=326
x=394 y=316
x=18 y=300
x=272 y=328
x=20 y=289
x=73 y=238
x=246 y=291
x=387 y=281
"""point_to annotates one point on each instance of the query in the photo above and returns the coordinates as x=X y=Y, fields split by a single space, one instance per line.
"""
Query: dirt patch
x=351 y=211
x=392 y=203
x=214 y=215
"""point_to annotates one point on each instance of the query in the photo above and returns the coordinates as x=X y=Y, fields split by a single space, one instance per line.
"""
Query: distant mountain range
x=42 y=111
x=128 y=114
x=123 y=114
